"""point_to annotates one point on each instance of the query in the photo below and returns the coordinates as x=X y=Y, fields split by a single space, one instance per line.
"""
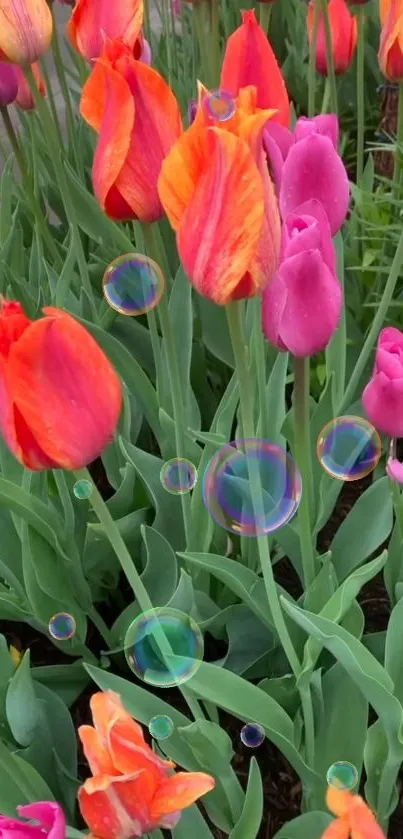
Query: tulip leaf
x=161 y=587
x=309 y=824
x=44 y=520
x=67 y=680
x=215 y=330
x=91 y=219
x=21 y=704
x=191 y=823
x=336 y=349
x=354 y=540
x=20 y=783
x=394 y=649
x=275 y=397
x=250 y=820
x=181 y=314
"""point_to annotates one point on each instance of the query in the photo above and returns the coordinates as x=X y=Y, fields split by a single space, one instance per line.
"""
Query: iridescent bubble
x=342 y=775
x=82 y=489
x=349 y=448
x=62 y=626
x=133 y=284
x=161 y=727
x=178 y=476
x=219 y=106
x=251 y=487
x=164 y=647
x=252 y=735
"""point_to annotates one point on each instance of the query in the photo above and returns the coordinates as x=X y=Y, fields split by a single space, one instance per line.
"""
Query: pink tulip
x=394 y=470
x=52 y=823
x=325 y=124
x=313 y=169
x=8 y=84
x=277 y=141
x=383 y=396
x=301 y=306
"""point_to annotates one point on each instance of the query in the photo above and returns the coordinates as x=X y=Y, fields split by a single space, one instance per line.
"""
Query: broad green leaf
x=275 y=396
x=67 y=680
x=192 y=824
x=91 y=219
x=310 y=825
x=160 y=586
x=394 y=649
x=21 y=704
x=354 y=540
x=393 y=571
x=323 y=586
x=251 y=818
x=32 y=510
x=20 y=783
x=215 y=330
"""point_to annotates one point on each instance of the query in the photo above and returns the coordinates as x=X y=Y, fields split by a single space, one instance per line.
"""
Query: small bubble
x=133 y=284
x=161 y=727
x=62 y=626
x=219 y=106
x=349 y=448
x=178 y=476
x=252 y=735
x=342 y=775
x=82 y=489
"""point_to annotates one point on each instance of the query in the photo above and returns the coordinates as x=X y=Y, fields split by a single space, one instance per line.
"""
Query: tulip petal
x=325 y=124
x=363 y=824
x=390 y=333
x=56 y=363
x=250 y=60
x=49 y=814
x=382 y=400
x=389 y=363
x=394 y=470
x=13 y=829
x=157 y=125
x=221 y=228
x=92 y=20
x=95 y=751
x=25 y=30
x=103 y=811
x=338 y=829
x=8 y=83
x=107 y=709
x=129 y=753
x=181 y=170
x=313 y=169
x=180 y=791
x=391 y=44
x=24 y=98
x=312 y=225
x=338 y=801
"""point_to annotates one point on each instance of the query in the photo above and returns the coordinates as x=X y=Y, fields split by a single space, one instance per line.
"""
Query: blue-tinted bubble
x=219 y=106
x=252 y=735
x=342 y=775
x=349 y=448
x=241 y=466
x=133 y=284
x=62 y=626
x=82 y=489
x=161 y=727
x=178 y=476
x=164 y=647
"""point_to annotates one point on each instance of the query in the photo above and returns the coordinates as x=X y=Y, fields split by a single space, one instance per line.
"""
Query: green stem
x=259 y=356
x=360 y=93
x=399 y=143
x=302 y=442
x=61 y=75
x=215 y=42
x=376 y=325
x=264 y=16
x=199 y=18
x=101 y=626
x=326 y=97
x=234 y=315
x=58 y=166
x=51 y=98
x=154 y=249
x=329 y=56
x=35 y=206
x=167 y=23
x=312 y=58
x=133 y=577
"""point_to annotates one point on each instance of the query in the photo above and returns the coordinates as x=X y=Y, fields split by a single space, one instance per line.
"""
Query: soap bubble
x=133 y=284
x=349 y=448
x=161 y=727
x=169 y=628
x=241 y=466
x=178 y=476
x=219 y=106
x=252 y=735
x=342 y=775
x=82 y=489
x=62 y=626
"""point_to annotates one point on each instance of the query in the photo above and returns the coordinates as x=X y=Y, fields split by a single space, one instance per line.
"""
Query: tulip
x=391 y=46
x=250 y=60
x=217 y=194
x=354 y=818
x=60 y=396
x=24 y=98
x=313 y=169
x=94 y=21
x=279 y=140
x=344 y=36
x=132 y=790
x=383 y=396
x=8 y=84
x=301 y=307
x=394 y=470
x=52 y=823
x=137 y=118
x=25 y=30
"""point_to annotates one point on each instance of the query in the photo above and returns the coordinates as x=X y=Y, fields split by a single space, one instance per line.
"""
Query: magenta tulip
x=394 y=470
x=325 y=124
x=277 y=141
x=313 y=169
x=52 y=824
x=383 y=396
x=301 y=306
x=8 y=84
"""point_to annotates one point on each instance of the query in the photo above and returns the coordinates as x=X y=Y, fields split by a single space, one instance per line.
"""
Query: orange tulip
x=344 y=36
x=24 y=97
x=60 y=396
x=92 y=21
x=250 y=60
x=354 y=818
x=137 y=118
x=391 y=46
x=25 y=30
x=217 y=193
x=132 y=790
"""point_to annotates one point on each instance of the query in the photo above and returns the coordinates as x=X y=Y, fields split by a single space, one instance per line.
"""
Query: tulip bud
x=391 y=47
x=343 y=28
x=25 y=30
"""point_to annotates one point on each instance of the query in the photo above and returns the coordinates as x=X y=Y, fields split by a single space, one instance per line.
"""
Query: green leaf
x=91 y=219
x=192 y=824
x=394 y=649
x=67 y=680
x=21 y=704
x=251 y=818
x=160 y=586
x=355 y=540
x=336 y=350
x=310 y=825
x=275 y=397
x=20 y=783
x=215 y=331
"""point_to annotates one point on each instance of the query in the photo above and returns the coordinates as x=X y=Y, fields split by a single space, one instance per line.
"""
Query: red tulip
x=391 y=46
x=250 y=60
x=60 y=396
x=344 y=36
x=132 y=791
x=24 y=98
x=94 y=21
x=137 y=118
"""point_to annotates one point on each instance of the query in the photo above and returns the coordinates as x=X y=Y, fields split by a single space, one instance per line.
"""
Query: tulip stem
x=312 y=58
x=50 y=134
x=236 y=329
x=61 y=75
x=199 y=18
x=360 y=93
x=329 y=56
x=35 y=206
x=399 y=145
x=264 y=16
x=377 y=322
x=326 y=97
x=302 y=446
x=260 y=361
